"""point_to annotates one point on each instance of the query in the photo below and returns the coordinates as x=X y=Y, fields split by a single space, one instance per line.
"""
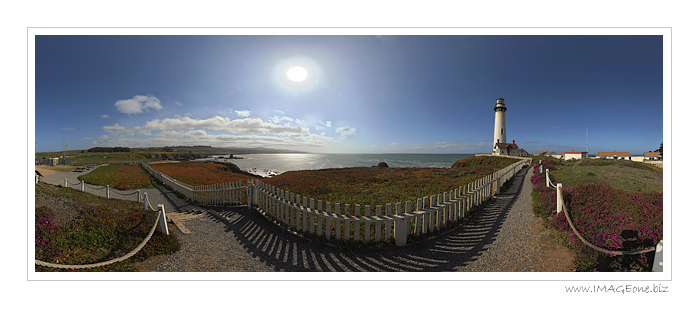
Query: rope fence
x=562 y=206
x=83 y=185
x=161 y=218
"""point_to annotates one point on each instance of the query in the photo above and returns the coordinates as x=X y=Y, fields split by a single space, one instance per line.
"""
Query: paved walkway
x=504 y=236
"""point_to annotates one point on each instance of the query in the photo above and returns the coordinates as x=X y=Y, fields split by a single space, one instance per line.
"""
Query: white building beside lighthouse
x=500 y=143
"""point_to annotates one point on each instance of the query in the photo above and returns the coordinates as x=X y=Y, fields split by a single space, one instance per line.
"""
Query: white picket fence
x=390 y=221
x=386 y=222
x=231 y=193
x=218 y=194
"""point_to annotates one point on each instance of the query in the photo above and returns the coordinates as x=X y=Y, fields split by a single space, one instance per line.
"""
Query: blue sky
x=363 y=93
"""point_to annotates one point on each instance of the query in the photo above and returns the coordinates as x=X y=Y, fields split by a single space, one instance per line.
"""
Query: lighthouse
x=499 y=128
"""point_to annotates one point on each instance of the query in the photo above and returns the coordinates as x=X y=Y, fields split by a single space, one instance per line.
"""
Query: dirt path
x=46 y=170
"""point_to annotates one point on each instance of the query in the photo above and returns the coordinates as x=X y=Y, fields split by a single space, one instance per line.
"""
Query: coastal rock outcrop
x=230 y=167
x=382 y=164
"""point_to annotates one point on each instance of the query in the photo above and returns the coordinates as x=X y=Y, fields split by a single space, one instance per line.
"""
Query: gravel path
x=504 y=236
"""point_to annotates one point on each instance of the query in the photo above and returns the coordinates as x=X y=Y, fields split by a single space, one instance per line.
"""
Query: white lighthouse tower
x=499 y=129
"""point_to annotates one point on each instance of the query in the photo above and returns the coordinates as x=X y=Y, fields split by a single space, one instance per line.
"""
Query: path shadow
x=456 y=248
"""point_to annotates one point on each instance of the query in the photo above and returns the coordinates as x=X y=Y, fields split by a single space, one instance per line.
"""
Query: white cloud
x=285 y=118
x=275 y=119
x=116 y=128
x=104 y=116
x=323 y=125
x=345 y=131
x=178 y=103
x=103 y=137
x=394 y=144
x=247 y=132
x=138 y=104
x=300 y=122
x=188 y=115
x=201 y=137
x=236 y=126
x=243 y=113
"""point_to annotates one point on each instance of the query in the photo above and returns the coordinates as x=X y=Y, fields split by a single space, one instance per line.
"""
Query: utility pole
x=64 y=149
x=586 y=140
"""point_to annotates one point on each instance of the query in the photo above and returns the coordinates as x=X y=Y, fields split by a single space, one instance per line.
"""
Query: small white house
x=505 y=149
x=652 y=156
x=547 y=154
x=574 y=155
x=615 y=155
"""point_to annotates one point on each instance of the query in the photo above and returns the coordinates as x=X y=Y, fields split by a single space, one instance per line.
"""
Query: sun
x=297 y=74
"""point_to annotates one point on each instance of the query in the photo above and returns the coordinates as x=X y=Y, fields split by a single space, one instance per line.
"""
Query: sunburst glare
x=297 y=74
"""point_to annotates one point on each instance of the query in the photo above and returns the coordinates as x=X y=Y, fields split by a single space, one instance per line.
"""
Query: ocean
x=267 y=165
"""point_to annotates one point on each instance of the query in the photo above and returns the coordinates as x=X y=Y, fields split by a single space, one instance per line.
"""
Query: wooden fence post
x=328 y=221
x=367 y=224
x=389 y=224
x=431 y=216
x=401 y=228
x=319 y=219
x=378 y=227
x=658 y=258
x=560 y=201
x=337 y=222
x=407 y=228
x=356 y=234
x=304 y=214
x=107 y=191
x=163 y=220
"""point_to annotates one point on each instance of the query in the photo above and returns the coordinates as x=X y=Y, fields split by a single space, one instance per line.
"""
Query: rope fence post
x=138 y=195
x=107 y=191
x=163 y=220
x=82 y=186
x=658 y=258
x=145 y=201
x=560 y=201
x=65 y=182
x=249 y=190
x=547 y=176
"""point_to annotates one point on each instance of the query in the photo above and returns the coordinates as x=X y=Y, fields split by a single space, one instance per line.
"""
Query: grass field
x=123 y=177
x=77 y=228
x=199 y=173
x=623 y=175
x=378 y=186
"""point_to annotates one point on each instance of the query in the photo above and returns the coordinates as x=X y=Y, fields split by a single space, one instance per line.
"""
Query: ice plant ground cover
x=606 y=216
x=379 y=186
x=120 y=176
x=201 y=173
x=77 y=228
